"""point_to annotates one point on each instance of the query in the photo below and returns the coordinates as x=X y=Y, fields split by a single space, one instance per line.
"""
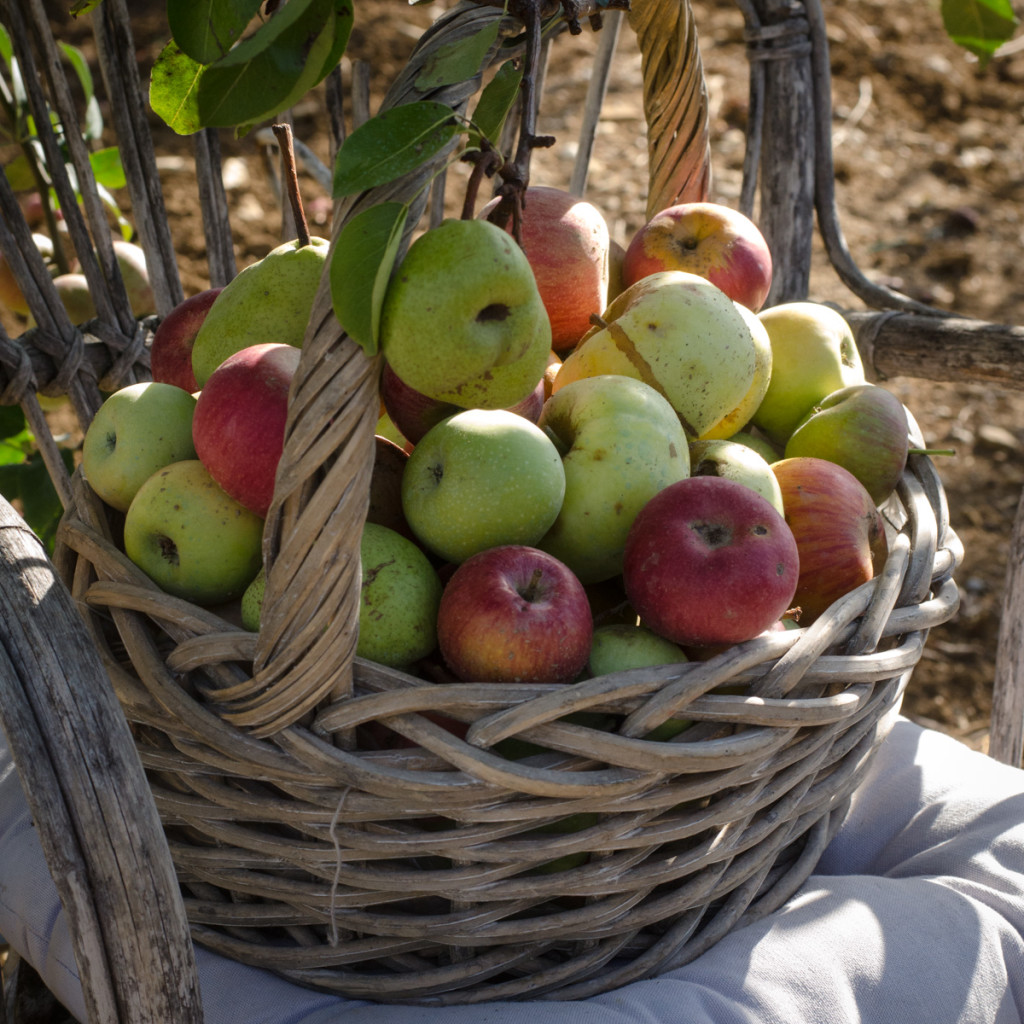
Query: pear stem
x=283 y=132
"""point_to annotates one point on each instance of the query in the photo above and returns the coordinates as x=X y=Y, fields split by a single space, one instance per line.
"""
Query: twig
x=291 y=181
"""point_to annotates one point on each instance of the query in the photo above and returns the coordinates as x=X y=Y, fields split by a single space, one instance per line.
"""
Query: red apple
x=566 y=241
x=514 y=614
x=170 y=352
x=839 y=532
x=709 y=561
x=414 y=413
x=239 y=421
x=708 y=239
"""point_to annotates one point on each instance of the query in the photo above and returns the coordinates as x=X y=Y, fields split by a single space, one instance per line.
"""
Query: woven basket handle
x=309 y=629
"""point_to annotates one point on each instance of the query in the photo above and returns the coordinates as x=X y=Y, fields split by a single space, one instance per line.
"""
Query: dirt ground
x=929 y=154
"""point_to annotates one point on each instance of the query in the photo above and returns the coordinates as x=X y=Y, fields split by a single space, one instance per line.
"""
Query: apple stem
x=283 y=132
x=529 y=592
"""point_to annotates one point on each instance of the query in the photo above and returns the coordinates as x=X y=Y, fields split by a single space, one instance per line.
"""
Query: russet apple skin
x=566 y=240
x=514 y=613
x=239 y=423
x=482 y=478
x=463 y=321
x=864 y=428
x=192 y=539
x=709 y=561
x=170 y=351
x=813 y=354
x=138 y=429
x=621 y=444
x=708 y=239
x=268 y=301
x=399 y=596
x=680 y=334
x=839 y=532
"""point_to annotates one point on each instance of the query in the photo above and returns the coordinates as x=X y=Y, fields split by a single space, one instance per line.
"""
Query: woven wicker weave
x=422 y=872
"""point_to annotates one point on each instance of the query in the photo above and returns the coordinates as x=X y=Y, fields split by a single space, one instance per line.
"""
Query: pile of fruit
x=590 y=457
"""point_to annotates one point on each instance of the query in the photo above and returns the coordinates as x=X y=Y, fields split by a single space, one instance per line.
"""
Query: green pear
x=269 y=301
x=463 y=320
x=864 y=429
x=252 y=601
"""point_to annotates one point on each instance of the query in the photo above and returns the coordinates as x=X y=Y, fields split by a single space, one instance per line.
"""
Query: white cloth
x=915 y=915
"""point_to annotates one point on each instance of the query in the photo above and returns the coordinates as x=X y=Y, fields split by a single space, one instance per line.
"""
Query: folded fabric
x=915 y=915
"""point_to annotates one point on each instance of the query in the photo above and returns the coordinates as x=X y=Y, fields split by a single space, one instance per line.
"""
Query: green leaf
x=458 y=60
x=979 y=26
x=19 y=174
x=6 y=48
x=496 y=100
x=207 y=29
x=84 y=6
x=174 y=90
x=29 y=483
x=12 y=423
x=361 y=264
x=107 y=167
x=392 y=144
x=279 y=63
x=81 y=68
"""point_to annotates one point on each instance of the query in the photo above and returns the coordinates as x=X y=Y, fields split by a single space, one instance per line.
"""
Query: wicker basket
x=440 y=870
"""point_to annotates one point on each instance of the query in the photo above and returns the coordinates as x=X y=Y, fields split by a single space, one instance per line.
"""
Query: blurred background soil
x=929 y=155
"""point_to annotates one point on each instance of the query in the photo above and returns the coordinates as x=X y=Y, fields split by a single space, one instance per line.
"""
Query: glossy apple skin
x=239 y=422
x=863 y=428
x=709 y=561
x=567 y=242
x=709 y=239
x=170 y=352
x=839 y=532
x=514 y=614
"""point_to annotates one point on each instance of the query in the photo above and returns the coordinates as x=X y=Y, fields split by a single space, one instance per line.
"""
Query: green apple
x=622 y=443
x=463 y=320
x=739 y=462
x=480 y=479
x=756 y=440
x=620 y=647
x=398 y=599
x=137 y=430
x=190 y=538
x=683 y=336
x=863 y=428
x=813 y=354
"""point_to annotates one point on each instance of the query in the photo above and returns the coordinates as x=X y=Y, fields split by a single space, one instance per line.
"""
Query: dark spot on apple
x=110 y=441
x=780 y=569
x=714 y=535
x=673 y=452
x=169 y=550
x=618 y=508
x=760 y=530
x=369 y=575
x=495 y=312
x=599 y=454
